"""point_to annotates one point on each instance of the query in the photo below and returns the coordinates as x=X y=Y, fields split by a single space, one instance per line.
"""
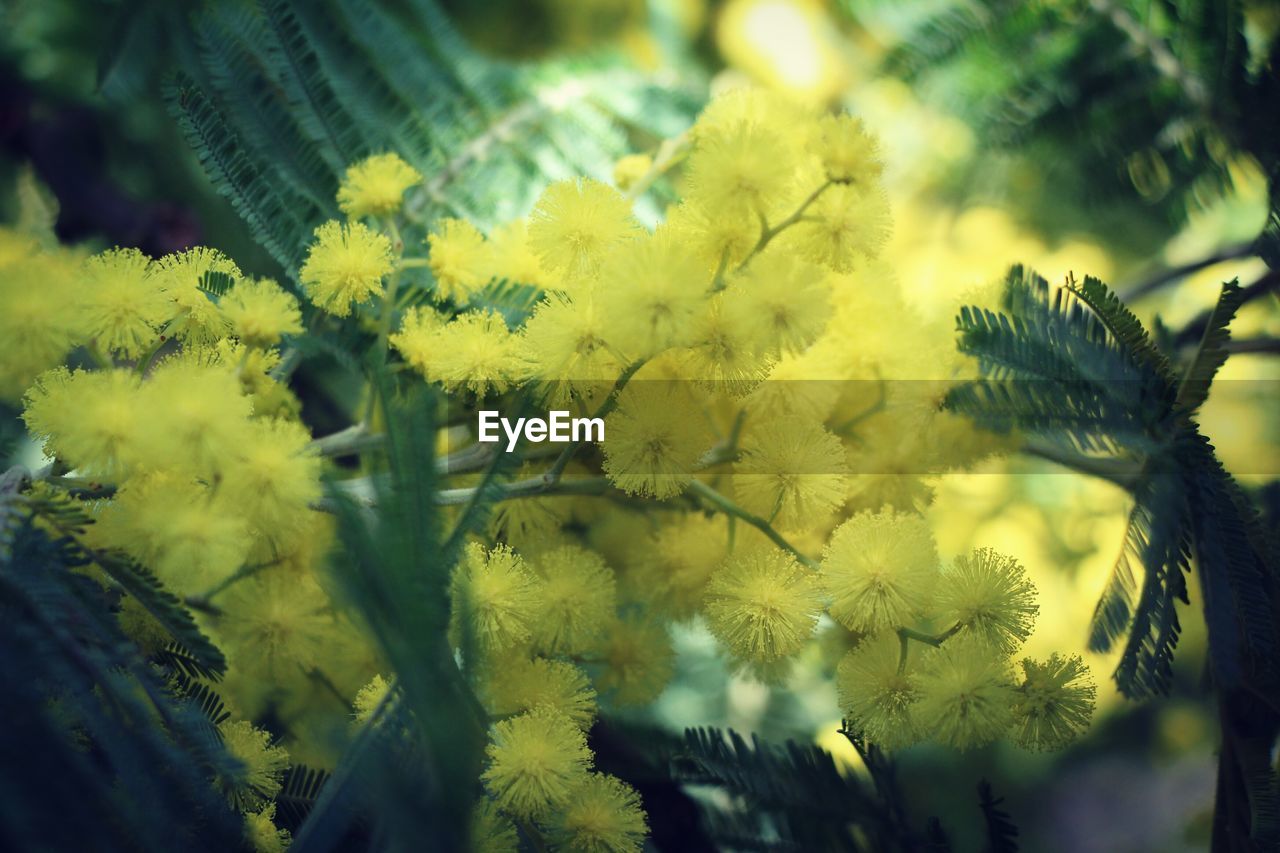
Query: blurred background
x=1073 y=137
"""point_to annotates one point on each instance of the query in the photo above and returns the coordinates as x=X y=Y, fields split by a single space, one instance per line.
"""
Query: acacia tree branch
x=728 y=507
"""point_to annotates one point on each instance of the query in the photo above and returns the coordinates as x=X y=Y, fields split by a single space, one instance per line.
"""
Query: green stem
x=731 y=509
x=767 y=233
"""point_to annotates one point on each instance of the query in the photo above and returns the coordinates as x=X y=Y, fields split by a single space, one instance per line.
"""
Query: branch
x=728 y=507
x=364 y=491
x=1168 y=276
x=1124 y=473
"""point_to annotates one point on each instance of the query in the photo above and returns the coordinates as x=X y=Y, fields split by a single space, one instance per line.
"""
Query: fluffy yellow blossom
x=966 y=693
x=990 y=595
x=566 y=348
x=491 y=831
x=517 y=685
x=91 y=421
x=375 y=186
x=121 y=303
x=262 y=833
x=762 y=605
x=496 y=600
x=261 y=312
x=846 y=225
x=184 y=277
x=877 y=698
x=370 y=698
x=630 y=169
x=651 y=289
x=676 y=565
x=747 y=169
x=791 y=472
x=276 y=626
x=198 y=415
x=536 y=762
x=725 y=353
x=721 y=239
x=604 y=815
x=781 y=302
x=638 y=660
x=276 y=479
x=879 y=570
x=261 y=765
x=345 y=266
x=578 y=600
x=576 y=223
x=36 y=329
x=847 y=151
x=511 y=257
x=459 y=259
x=1054 y=703
x=474 y=352
x=654 y=439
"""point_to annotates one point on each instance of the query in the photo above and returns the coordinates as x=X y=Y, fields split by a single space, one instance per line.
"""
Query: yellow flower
x=370 y=698
x=262 y=834
x=261 y=765
x=260 y=312
x=90 y=420
x=847 y=151
x=375 y=186
x=36 y=329
x=724 y=352
x=630 y=169
x=496 y=600
x=567 y=352
x=879 y=570
x=845 y=225
x=791 y=472
x=745 y=170
x=639 y=661
x=536 y=761
x=474 y=352
x=198 y=415
x=121 y=304
x=990 y=595
x=781 y=302
x=1054 y=703
x=604 y=815
x=517 y=685
x=651 y=290
x=345 y=266
x=512 y=258
x=653 y=440
x=276 y=625
x=966 y=694
x=276 y=480
x=576 y=223
x=877 y=698
x=720 y=238
x=183 y=277
x=459 y=259
x=762 y=605
x=676 y=565
x=491 y=831
x=578 y=599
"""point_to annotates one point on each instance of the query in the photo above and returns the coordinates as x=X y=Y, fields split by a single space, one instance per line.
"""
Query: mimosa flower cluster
x=773 y=424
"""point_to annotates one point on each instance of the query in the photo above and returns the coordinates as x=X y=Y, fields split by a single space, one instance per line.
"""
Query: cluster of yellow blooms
x=751 y=358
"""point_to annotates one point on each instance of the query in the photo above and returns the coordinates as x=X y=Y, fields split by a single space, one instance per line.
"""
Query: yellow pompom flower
x=780 y=301
x=879 y=570
x=496 y=600
x=746 y=169
x=578 y=600
x=277 y=478
x=198 y=415
x=511 y=257
x=90 y=420
x=762 y=605
x=966 y=694
x=262 y=833
x=718 y=237
x=474 y=352
x=791 y=472
x=275 y=625
x=849 y=154
x=121 y=303
x=653 y=440
x=576 y=222
x=345 y=266
x=261 y=312
x=261 y=765
x=176 y=527
x=651 y=290
x=724 y=352
x=604 y=815
x=878 y=699
x=182 y=276
x=370 y=698
x=492 y=831
x=536 y=761
x=415 y=340
x=845 y=225
x=991 y=597
x=459 y=259
x=36 y=329
x=677 y=564
x=638 y=661
x=375 y=186
x=1054 y=703
x=517 y=685
x=566 y=348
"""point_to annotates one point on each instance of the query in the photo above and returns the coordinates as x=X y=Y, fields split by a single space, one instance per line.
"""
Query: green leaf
x=1212 y=353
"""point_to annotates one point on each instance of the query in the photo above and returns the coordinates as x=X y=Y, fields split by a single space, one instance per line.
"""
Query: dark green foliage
x=1002 y=834
x=277 y=98
x=1122 y=108
x=1187 y=509
x=298 y=793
